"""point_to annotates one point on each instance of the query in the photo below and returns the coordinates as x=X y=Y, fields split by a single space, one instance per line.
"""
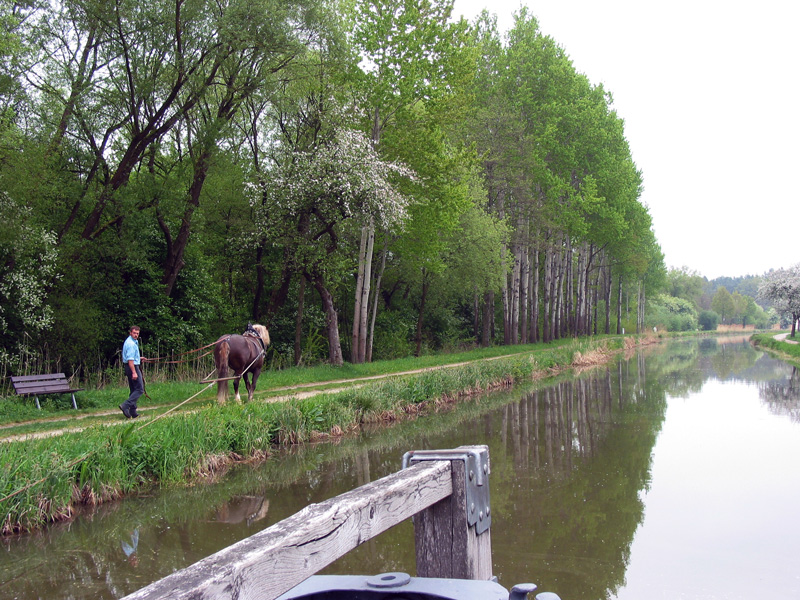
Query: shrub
x=708 y=320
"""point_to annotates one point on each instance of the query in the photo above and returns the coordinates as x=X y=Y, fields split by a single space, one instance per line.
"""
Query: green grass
x=14 y=409
x=785 y=348
x=42 y=479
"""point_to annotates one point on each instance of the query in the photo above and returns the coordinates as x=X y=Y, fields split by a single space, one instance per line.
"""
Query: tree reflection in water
x=569 y=491
x=783 y=397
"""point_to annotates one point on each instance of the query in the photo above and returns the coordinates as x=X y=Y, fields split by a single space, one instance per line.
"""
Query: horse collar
x=253 y=334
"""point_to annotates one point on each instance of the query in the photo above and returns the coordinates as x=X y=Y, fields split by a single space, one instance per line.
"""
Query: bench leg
x=74 y=405
x=37 y=402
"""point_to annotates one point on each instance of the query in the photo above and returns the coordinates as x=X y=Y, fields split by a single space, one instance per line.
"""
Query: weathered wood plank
x=16 y=378
x=53 y=388
x=446 y=546
x=53 y=383
x=273 y=561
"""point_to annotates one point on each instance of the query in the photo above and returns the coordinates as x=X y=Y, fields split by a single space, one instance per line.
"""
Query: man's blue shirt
x=130 y=351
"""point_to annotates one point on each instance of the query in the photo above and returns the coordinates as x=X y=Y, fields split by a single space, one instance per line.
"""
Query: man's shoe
x=134 y=414
x=125 y=411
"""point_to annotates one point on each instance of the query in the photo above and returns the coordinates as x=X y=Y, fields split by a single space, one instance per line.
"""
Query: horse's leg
x=236 y=388
x=252 y=389
x=249 y=385
x=221 y=353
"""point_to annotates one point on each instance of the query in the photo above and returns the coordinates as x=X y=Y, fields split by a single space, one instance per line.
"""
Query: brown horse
x=242 y=354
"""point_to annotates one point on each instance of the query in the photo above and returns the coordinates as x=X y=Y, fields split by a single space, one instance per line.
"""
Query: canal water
x=671 y=473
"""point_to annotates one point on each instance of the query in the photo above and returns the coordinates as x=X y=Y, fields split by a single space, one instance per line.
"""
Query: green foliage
x=686 y=284
x=672 y=314
x=708 y=320
x=746 y=285
x=28 y=268
x=393 y=335
x=187 y=187
x=723 y=304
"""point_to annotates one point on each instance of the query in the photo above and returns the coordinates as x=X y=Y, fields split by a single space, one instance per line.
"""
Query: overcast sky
x=708 y=90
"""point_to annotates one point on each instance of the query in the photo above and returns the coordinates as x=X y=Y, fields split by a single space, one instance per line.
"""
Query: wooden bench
x=39 y=385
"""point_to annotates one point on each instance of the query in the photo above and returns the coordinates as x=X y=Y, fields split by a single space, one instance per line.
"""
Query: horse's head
x=262 y=333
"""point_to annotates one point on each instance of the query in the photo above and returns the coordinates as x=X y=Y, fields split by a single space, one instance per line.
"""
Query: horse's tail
x=221 y=352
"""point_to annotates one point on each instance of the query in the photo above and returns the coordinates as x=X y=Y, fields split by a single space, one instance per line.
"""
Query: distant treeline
x=690 y=301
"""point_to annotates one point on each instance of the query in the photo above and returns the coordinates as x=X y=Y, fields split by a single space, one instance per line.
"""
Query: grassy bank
x=163 y=390
x=42 y=481
x=785 y=349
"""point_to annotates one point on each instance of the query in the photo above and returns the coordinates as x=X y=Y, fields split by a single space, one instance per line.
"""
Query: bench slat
x=29 y=385
x=22 y=378
x=46 y=389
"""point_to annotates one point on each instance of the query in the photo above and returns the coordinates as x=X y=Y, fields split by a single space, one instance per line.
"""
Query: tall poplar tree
x=413 y=58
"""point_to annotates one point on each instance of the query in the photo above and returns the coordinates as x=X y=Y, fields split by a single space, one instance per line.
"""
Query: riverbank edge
x=45 y=481
x=787 y=351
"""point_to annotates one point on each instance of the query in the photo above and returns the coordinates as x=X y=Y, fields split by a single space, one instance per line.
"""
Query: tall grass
x=41 y=481
x=784 y=347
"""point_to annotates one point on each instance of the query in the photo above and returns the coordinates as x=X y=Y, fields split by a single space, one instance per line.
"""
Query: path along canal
x=672 y=473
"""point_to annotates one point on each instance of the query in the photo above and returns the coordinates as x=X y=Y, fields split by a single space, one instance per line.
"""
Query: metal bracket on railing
x=476 y=465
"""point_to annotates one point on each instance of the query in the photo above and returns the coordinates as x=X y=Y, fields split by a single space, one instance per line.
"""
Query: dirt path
x=782 y=338
x=296 y=393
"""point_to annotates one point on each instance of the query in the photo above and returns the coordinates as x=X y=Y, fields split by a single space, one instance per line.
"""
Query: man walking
x=131 y=360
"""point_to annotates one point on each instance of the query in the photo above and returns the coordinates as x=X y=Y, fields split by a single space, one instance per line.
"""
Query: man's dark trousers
x=136 y=386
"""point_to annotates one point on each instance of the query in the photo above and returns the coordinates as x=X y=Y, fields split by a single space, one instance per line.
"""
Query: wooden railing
x=271 y=562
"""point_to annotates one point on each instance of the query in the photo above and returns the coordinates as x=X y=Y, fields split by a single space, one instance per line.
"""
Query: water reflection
x=573 y=501
x=572 y=470
x=782 y=397
x=248 y=509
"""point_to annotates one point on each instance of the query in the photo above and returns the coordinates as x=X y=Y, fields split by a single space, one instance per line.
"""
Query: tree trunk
x=523 y=294
x=362 y=327
x=582 y=328
x=423 y=298
x=503 y=268
x=619 y=305
x=608 y=282
x=331 y=319
x=259 y=285
x=476 y=317
x=555 y=332
x=175 y=251
x=547 y=334
x=558 y=313
x=488 y=314
x=514 y=296
x=298 y=323
x=355 y=356
x=595 y=292
x=572 y=290
x=534 y=325
x=376 y=293
x=280 y=292
x=640 y=308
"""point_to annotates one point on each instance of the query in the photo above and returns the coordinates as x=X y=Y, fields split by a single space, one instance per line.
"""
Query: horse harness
x=252 y=333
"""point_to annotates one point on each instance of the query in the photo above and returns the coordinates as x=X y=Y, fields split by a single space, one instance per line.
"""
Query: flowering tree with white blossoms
x=782 y=288
x=27 y=269
x=310 y=200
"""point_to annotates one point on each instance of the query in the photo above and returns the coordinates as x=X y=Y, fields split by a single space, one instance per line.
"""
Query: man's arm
x=134 y=375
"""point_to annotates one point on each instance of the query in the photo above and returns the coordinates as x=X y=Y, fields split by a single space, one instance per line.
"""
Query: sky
x=708 y=90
